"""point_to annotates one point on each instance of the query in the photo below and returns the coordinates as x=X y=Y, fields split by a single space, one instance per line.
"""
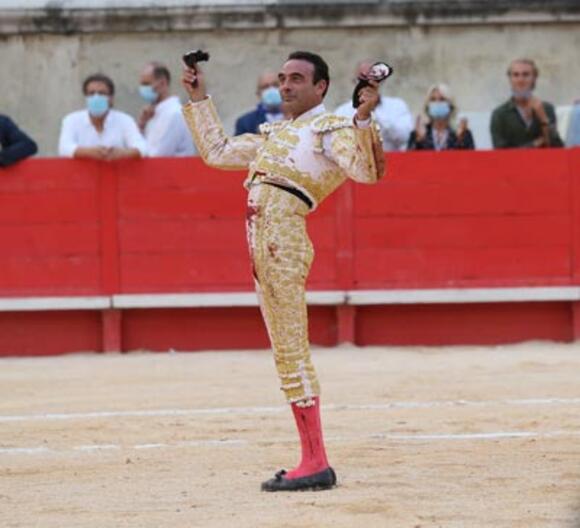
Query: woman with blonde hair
x=437 y=133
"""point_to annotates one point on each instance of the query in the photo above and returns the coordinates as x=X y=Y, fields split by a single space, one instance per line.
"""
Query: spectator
x=573 y=136
x=161 y=121
x=392 y=115
x=15 y=145
x=100 y=132
x=437 y=133
x=269 y=108
x=524 y=120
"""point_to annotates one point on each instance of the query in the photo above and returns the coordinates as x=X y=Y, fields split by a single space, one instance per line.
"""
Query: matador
x=293 y=166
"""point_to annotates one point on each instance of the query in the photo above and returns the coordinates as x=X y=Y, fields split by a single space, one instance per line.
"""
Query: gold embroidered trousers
x=281 y=254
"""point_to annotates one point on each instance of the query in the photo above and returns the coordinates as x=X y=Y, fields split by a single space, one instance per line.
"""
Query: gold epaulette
x=329 y=122
x=265 y=129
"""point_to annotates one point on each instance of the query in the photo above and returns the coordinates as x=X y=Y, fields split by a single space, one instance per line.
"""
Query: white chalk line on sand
x=240 y=442
x=282 y=408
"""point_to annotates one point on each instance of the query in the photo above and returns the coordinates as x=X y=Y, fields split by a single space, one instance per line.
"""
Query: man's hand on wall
x=97 y=153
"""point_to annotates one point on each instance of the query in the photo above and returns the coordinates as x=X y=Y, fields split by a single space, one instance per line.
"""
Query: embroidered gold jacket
x=314 y=153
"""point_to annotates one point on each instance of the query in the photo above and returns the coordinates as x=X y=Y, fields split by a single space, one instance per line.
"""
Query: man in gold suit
x=293 y=166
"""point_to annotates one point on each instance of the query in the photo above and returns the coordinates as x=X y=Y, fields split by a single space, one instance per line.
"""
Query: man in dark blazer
x=15 y=145
x=268 y=109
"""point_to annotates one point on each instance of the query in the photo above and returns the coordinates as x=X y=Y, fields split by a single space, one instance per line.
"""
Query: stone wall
x=47 y=50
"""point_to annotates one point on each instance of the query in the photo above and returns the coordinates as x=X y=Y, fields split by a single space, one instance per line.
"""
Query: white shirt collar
x=106 y=121
x=320 y=109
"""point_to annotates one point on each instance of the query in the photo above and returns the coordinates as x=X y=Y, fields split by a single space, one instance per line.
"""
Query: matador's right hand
x=190 y=77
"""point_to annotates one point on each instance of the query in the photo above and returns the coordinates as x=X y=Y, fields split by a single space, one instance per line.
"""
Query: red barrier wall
x=438 y=220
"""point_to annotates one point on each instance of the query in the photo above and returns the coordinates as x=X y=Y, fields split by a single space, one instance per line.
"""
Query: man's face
x=299 y=93
x=147 y=78
x=521 y=76
x=267 y=80
x=98 y=87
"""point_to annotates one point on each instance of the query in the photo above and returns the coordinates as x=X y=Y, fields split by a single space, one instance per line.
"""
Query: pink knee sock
x=310 y=430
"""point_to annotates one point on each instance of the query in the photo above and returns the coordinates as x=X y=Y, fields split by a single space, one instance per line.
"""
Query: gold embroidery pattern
x=329 y=122
x=214 y=146
x=359 y=153
x=269 y=128
x=281 y=255
x=315 y=155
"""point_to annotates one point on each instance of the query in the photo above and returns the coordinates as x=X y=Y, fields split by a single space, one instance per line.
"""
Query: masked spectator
x=161 y=121
x=269 y=108
x=392 y=115
x=15 y=145
x=100 y=132
x=524 y=120
x=573 y=137
x=436 y=132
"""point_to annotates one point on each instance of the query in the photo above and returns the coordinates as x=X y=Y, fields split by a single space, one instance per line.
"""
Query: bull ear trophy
x=191 y=58
x=378 y=72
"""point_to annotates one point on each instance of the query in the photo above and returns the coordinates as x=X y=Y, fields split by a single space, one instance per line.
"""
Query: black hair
x=161 y=71
x=320 y=66
x=99 y=77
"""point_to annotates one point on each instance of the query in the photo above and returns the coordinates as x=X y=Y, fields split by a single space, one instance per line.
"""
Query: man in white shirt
x=100 y=132
x=392 y=114
x=161 y=120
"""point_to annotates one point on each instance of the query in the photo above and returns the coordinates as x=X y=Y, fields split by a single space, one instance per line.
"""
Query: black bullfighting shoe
x=318 y=481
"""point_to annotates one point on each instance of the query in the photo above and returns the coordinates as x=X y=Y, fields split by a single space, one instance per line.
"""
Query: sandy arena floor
x=454 y=437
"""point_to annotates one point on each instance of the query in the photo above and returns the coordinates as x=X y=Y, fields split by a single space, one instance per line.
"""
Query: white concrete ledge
x=41 y=304
x=203 y=300
x=464 y=295
x=184 y=300
x=313 y=298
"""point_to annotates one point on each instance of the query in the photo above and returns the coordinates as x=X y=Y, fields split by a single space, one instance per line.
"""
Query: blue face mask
x=147 y=92
x=439 y=109
x=97 y=104
x=271 y=98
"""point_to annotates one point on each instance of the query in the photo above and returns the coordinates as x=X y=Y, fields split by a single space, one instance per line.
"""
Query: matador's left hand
x=369 y=99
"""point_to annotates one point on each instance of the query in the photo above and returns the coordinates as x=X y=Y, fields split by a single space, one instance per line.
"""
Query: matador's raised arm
x=357 y=150
x=215 y=147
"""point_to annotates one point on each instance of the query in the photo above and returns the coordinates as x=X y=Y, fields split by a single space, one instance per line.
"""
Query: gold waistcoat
x=314 y=153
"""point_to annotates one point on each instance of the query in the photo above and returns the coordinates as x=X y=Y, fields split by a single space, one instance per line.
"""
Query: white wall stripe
x=322 y=298
x=463 y=295
x=31 y=304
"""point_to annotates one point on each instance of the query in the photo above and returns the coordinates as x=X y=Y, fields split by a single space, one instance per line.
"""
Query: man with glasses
x=524 y=121
x=99 y=131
